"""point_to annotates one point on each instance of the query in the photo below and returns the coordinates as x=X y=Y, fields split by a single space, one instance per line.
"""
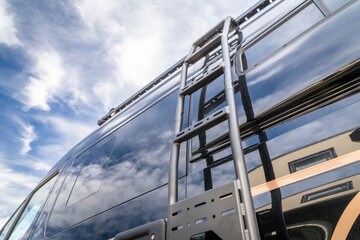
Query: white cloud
x=46 y=83
x=143 y=38
x=27 y=136
x=55 y=79
x=7 y=26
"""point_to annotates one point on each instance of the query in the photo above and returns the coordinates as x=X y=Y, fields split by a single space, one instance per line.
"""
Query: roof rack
x=251 y=12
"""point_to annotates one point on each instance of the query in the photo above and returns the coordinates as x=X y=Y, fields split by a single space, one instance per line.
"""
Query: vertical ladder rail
x=174 y=159
x=235 y=140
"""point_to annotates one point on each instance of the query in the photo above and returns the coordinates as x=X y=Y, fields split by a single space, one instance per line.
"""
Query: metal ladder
x=209 y=210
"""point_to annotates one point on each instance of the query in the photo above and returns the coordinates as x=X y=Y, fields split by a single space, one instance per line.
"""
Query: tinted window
x=267 y=16
x=292 y=69
x=92 y=164
x=129 y=163
x=31 y=209
x=283 y=34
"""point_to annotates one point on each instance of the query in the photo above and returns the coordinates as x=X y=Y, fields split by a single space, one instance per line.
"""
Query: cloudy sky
x=64 y=64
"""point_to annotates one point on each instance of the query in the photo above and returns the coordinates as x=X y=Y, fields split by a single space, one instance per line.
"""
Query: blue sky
x=64 y=64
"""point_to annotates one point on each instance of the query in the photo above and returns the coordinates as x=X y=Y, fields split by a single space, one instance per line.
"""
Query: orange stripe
x=347 y=219
x=307 y=173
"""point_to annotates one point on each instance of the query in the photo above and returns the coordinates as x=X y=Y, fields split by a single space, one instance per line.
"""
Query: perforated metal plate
x=217 y=210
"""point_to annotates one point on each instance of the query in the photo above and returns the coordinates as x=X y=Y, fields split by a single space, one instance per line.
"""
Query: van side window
x=130 y=163
x=33 y=206
x=140 y=159
x=89 y=168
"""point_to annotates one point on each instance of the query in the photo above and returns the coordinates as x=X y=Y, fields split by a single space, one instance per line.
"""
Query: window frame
x=89 y=151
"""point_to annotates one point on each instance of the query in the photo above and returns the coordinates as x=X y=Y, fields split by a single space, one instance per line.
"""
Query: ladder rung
x=211 y=33
x=205 y=49
x=194 y=85
x=202 y=125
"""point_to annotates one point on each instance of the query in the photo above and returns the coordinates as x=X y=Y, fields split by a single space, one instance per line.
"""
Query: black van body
x=296 y=71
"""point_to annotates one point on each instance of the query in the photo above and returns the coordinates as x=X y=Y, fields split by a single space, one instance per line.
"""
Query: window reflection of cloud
x=87 y=183
x=139 y=163
x=333 y=176
x=211 y=134
x=295 y=71
x=131 y=111
x=283 y=34
x=265 y=17
x=317 y=130
x=311 y=183
x=144 y=209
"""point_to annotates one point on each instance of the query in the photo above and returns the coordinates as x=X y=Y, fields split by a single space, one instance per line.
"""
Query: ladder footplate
x=217 y=210
x=202 y=125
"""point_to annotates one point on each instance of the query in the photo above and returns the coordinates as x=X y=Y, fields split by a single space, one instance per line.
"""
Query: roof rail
x=251 y=12
x=142 y=91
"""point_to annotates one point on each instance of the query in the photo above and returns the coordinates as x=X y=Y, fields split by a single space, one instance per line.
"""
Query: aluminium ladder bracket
x=218 y=210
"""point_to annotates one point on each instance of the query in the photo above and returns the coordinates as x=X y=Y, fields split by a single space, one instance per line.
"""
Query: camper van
x=255 y=134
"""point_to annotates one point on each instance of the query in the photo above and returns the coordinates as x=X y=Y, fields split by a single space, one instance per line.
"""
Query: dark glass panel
x=267 y=16
x=139 y=163
x=92 y=165
x=283 y=34
x=306 y=61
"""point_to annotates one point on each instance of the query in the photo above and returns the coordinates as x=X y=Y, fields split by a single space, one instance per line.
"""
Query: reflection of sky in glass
x=321 y=128
x=214 y=89
x=298 y=122
x=220 y=175
x=92 y=167
x=141 y=210
x=132 y=111
x=283 y=34
x=306 y=61
x=334 y=5
x=268 y=16
x=32 y=209
x=139 y=163
x=310 y=183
